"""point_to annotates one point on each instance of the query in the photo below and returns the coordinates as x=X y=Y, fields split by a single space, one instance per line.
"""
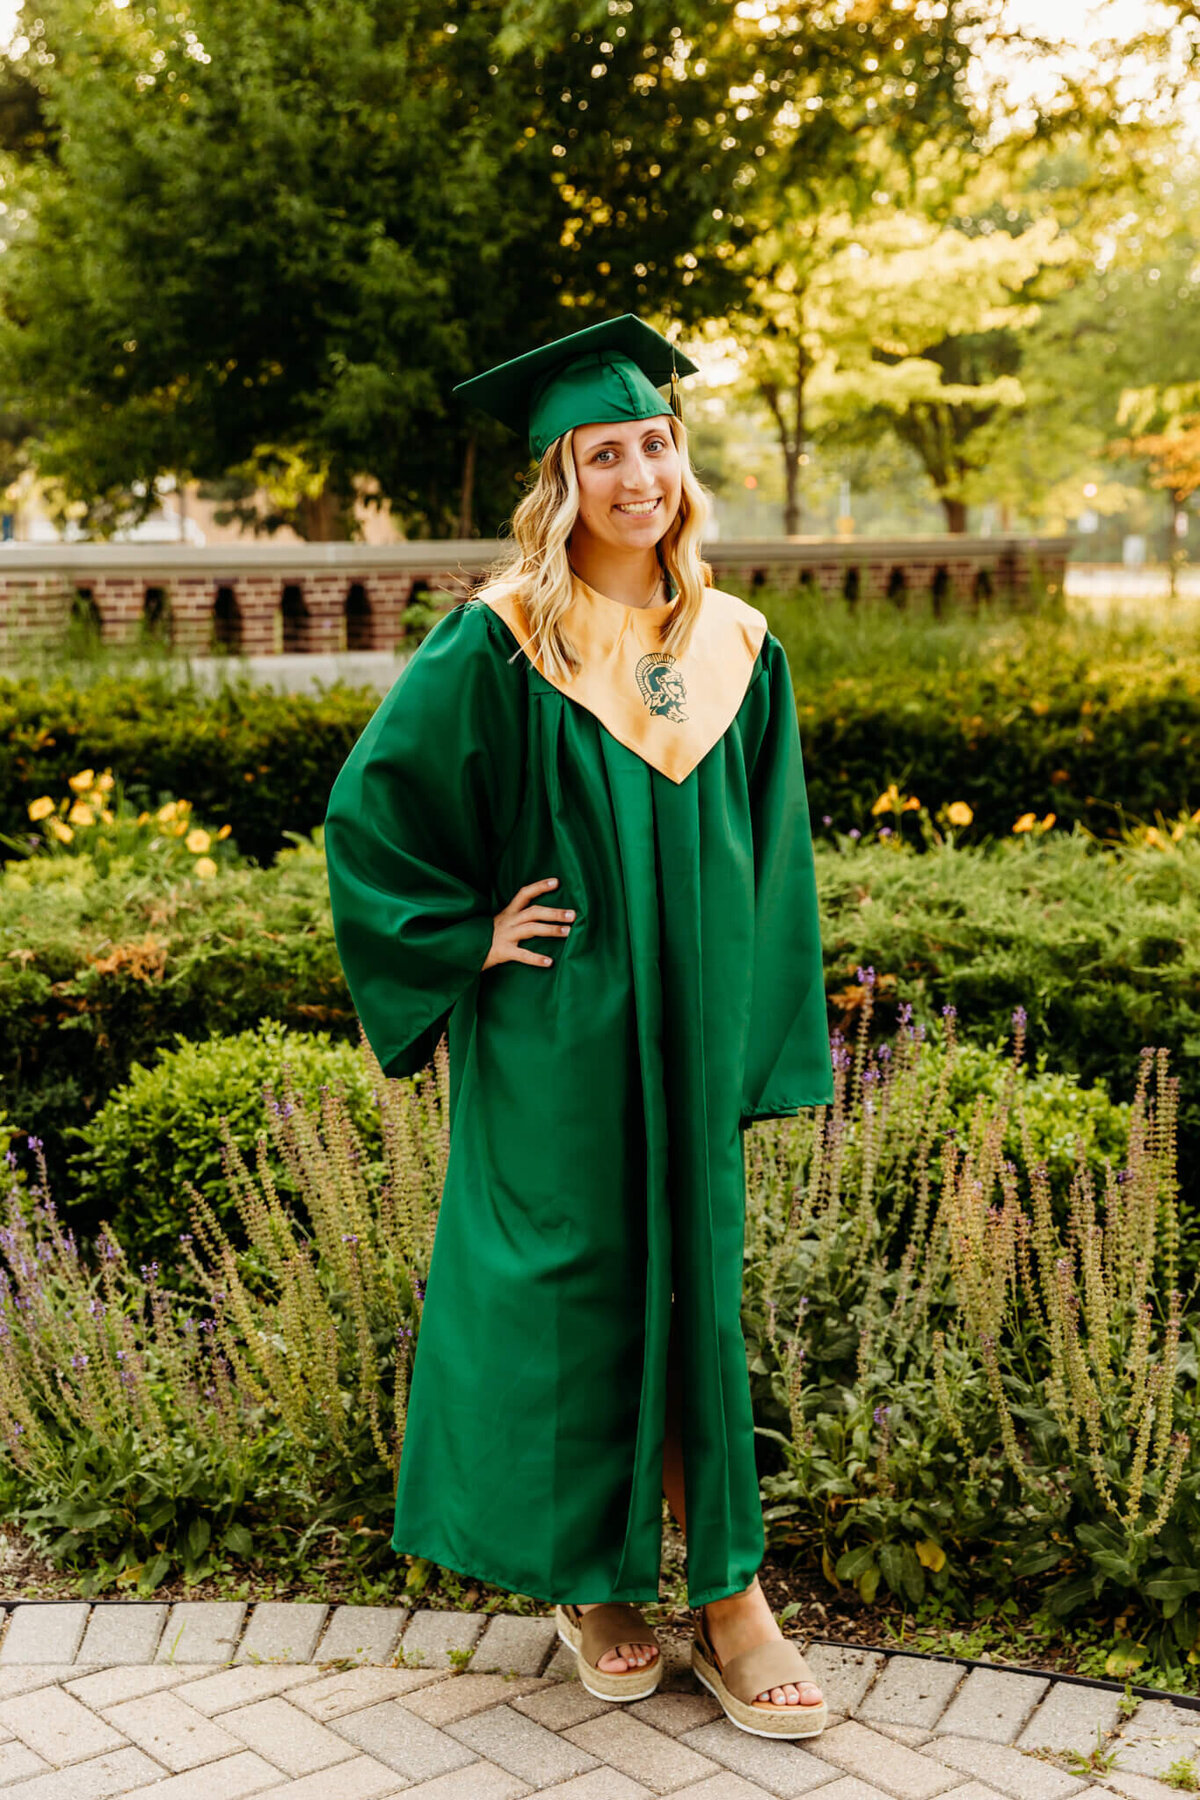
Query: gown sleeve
x=416 y=820
x=788 y=1060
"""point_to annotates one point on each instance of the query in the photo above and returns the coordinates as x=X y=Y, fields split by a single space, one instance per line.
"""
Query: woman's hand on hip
x=523 y=918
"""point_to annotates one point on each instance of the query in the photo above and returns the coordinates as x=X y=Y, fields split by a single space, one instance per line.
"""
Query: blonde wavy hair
x=537 y=572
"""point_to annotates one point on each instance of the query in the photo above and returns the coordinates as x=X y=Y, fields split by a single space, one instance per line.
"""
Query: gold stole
x=669 y=710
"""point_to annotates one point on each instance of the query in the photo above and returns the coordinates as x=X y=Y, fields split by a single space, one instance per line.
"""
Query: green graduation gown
x=594 y=1200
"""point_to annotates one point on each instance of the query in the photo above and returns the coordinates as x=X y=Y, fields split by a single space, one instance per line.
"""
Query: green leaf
x=852 y=1563
x=237 y=1539
x=199 y=1534
x=154 y=1573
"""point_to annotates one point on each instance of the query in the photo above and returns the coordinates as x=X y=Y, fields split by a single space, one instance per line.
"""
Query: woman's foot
x=624 y=1656
x=739 y=1622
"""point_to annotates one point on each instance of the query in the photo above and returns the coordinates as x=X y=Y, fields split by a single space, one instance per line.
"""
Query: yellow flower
x=226 y=829
x=143 y=818
x=912 y=804
x=81 y=814
x=1048 y=821
x=105 y=782
x=1154 y=836
x=106 y=816
x=887 y=802
x=178 y=828
x=167 y=812
x=84 y=779
x=62 y=832
x=198 y=841
x=959 y=813
x=1026 y=822
x=41 y=808
x=205 y=867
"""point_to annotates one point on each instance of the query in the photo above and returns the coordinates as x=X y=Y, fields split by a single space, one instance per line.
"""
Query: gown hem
x=785 y=1111
x=630 y=1596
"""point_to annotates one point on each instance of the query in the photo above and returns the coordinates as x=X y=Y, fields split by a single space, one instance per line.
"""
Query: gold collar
x=670 y=710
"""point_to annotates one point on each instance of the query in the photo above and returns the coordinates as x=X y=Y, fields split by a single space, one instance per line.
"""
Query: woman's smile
x=639 y=509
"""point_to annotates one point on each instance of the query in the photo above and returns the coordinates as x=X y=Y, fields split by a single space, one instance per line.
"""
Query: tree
x=269 y=236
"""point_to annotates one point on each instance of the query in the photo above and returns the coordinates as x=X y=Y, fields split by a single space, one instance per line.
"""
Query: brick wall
x=333 y=597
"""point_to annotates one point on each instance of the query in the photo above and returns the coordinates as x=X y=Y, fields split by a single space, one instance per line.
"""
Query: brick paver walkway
x=217 y=1701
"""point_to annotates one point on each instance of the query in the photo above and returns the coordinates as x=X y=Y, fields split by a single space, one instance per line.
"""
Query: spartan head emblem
x=661 y=686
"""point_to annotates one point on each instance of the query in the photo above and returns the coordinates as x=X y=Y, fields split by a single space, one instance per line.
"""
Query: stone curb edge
x=1189 y=1701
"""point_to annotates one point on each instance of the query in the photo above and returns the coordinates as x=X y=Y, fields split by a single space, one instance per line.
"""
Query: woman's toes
x=627 y=1656
x=782 y=1696
x=810 y=1694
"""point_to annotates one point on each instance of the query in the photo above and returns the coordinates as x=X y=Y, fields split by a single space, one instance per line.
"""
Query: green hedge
x=1060 y=730
x=257 y=760
x=163 y=1129
x=1101 y=946
x=97 y=977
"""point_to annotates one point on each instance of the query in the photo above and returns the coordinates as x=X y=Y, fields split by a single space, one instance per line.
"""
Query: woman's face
x=617 y=465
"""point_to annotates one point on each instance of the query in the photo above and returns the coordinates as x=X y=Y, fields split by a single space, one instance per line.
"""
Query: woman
x=602 y=749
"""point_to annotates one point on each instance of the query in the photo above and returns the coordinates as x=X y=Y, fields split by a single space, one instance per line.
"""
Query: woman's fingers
x=530 y=889
x=530 y=919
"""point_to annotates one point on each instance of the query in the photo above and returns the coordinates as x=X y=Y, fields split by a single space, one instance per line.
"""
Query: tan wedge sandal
x=751 y=1672
x=602 y=1628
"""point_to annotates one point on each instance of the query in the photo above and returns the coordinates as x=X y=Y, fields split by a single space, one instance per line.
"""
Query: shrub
x=975 y=1388
x=164 y=1131
x=94 y=830
x=151 y=1432
x=254 y=758
x=1034 y=715
x=969 y=1385
x=97 y=974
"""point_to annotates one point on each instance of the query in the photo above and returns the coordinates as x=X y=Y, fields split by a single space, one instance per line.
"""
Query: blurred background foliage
x=923 y=248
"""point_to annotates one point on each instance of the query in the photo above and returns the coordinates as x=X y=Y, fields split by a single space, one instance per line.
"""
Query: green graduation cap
x=610 y=371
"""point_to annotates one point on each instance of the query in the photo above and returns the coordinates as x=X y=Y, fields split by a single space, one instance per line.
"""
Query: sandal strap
x=764 y=1666
x=616 y=1622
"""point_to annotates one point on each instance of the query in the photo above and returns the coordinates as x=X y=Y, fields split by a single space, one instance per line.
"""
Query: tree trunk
x=955 y=511
x=468 y=488
x=791 y=439
x=1176 y=554
x=328 y=518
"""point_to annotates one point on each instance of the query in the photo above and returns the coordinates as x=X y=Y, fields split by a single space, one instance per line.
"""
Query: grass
x=825 y=638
